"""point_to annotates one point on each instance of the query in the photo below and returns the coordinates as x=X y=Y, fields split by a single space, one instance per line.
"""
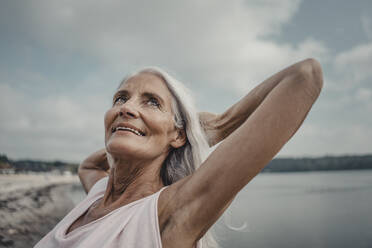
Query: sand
x=31 y=205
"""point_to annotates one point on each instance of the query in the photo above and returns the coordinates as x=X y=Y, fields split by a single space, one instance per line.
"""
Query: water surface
x=307 y=209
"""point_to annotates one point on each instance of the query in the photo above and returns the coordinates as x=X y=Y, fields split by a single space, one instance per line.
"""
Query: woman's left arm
x=254 y=130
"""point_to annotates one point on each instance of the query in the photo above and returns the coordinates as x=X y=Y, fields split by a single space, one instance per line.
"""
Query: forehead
x=147 y=83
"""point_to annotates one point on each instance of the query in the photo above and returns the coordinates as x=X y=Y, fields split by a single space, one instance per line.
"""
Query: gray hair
x=184 y=160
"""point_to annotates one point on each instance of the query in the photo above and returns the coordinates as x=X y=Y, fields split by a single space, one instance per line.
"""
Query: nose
x=128 y=110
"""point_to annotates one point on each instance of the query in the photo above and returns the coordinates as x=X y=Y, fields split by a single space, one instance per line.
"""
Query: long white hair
x=183 y=161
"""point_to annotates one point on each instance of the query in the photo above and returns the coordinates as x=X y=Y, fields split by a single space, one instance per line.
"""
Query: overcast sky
x=61 y=61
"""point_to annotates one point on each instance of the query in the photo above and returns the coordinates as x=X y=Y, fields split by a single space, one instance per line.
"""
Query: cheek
x=160 y=124
x=108 y=119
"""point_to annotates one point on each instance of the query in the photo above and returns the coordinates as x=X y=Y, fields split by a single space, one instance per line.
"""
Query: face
x=140 y=123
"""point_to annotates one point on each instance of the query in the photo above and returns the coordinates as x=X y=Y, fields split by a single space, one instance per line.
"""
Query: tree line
x=29 y=165
x=326 y=163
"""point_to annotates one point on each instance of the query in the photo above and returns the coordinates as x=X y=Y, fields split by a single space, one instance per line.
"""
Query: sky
x=61 y=62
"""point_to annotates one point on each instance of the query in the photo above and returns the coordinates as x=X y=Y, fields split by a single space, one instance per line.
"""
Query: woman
x=145 y=193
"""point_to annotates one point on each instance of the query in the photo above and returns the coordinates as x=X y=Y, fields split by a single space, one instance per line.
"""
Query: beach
x=31 y=205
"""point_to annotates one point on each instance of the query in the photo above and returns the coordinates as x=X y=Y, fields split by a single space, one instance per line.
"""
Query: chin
x=130 y=150
x=119 y=149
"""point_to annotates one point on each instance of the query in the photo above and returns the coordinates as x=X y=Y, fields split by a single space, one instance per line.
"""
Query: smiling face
x=140 y=123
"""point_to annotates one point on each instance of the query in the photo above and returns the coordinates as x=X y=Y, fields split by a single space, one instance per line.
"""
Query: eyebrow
x=146 y=94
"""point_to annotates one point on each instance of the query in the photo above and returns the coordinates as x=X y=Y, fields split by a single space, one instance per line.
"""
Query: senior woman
x=146 y=189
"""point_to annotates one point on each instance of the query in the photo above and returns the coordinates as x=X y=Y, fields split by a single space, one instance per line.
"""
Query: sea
x=299 y=209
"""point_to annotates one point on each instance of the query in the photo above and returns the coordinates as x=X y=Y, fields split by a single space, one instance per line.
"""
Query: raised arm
x=260 y=124
x=93 y=168
x=218 y=126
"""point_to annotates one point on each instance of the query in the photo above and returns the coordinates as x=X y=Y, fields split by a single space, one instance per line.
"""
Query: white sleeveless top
x=134 y=225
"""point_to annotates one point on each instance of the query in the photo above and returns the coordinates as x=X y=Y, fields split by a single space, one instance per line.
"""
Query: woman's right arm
x=93 y=168
x=219 y=126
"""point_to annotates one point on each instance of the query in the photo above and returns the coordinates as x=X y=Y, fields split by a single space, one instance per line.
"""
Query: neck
x=132 y=180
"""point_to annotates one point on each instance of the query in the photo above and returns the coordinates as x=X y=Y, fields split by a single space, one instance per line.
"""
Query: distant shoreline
x=325 y=163
x=305 y=171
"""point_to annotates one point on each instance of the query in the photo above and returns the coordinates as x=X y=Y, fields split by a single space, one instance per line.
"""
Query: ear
x=180 y=139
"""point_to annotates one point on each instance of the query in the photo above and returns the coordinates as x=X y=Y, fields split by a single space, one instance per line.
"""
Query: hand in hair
x=217 y=127
x=209 y=121
x=93 y=168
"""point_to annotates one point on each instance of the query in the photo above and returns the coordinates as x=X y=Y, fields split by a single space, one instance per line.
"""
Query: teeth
x=130 y=129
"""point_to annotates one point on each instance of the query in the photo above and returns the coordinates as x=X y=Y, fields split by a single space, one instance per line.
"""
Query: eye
x=154 y=102
x=120 y=99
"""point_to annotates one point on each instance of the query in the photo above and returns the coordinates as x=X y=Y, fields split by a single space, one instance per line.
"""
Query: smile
x=137 y=132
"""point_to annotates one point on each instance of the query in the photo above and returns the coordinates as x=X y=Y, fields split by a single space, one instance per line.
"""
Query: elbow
x=311 y=73
x=81 y=169
x=80 y=173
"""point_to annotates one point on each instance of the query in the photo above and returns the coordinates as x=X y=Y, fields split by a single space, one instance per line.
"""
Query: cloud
x=355 y=64
x=364 y=95
x=319 y=139
x=49 y=113
x=211 y=42
x=50 y=127
x=367 y=25
x=263 y=58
